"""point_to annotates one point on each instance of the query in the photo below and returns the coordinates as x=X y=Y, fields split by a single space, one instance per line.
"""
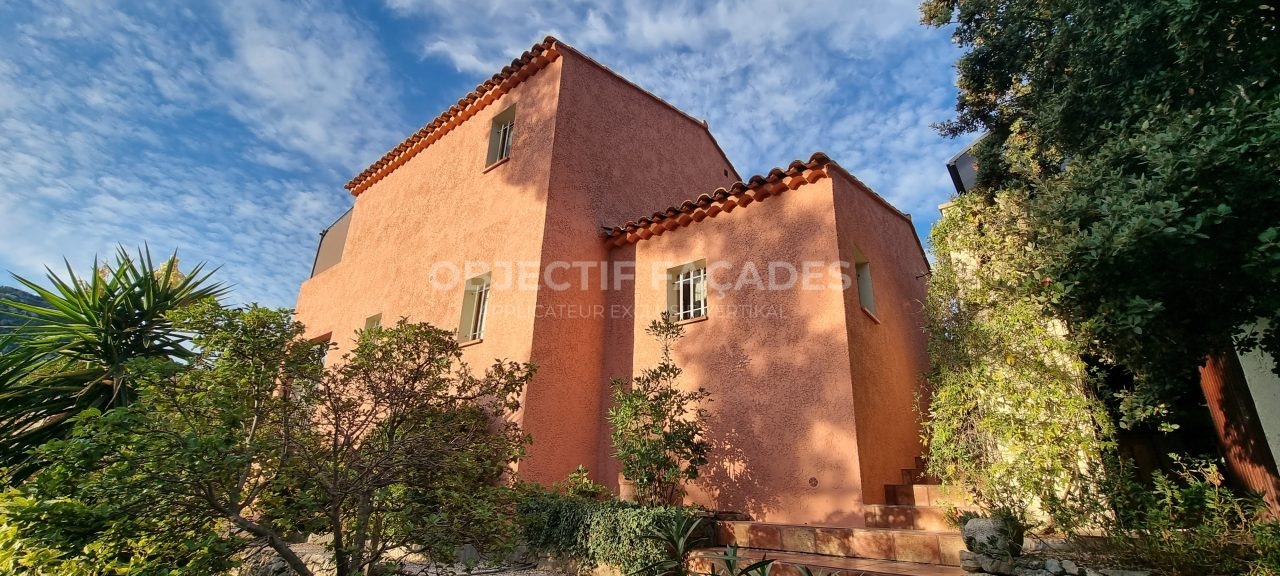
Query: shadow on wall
x=784 y=445
x=730 y=476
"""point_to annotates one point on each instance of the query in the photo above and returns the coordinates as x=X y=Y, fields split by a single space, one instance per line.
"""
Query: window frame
x=866 y=287
x=475 y=309
x=501 y=137
x=687 y=305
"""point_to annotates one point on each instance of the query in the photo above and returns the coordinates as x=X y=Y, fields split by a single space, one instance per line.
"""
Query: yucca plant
x=73 y=351
x=678 y=537
x=729 y=560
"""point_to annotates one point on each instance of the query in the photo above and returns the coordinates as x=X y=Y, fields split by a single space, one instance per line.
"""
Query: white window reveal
x=866 y=296
x=373 y=322
x=687 y=296
x=475 y=307
x=501 y=135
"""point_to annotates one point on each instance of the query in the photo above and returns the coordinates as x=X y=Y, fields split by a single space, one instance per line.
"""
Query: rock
x=986 y=536
x=1028 y=563
x=1114 y=572
x=1054 y=567
x=996 y=565
x=969 y=562
x=1031 y=572
x=1070 y=567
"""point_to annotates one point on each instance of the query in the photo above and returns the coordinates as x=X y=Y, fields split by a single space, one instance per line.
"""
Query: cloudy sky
x=226 y=130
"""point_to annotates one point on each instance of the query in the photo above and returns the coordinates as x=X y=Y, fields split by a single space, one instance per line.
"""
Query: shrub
x=616 y=535
x=657 y=428
x=1184 y=523
x=579 y=483
x=594 y=532
x=554 y=523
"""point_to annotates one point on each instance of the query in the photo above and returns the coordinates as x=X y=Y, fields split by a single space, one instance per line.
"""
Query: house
x=557 y=209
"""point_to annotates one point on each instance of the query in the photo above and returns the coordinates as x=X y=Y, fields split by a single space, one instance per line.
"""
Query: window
x=372 y=322
x=500 y=136
x=865 y=294
x=687 y=295
x=475 y=304
x=321 y=346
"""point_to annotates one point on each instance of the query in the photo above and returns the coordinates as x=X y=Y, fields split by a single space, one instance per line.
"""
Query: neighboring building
x=552 y=171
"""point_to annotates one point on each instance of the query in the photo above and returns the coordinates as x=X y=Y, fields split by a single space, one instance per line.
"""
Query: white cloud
x=225 y=129
x=776 y=81
x=151 y=122
x=306 y=79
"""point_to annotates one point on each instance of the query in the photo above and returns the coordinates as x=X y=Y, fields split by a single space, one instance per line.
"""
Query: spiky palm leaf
x=73 y=352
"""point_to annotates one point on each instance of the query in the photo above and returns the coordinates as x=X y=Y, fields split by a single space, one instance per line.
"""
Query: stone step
x=789 y=563
x=872 y=543
x=925 y=495
x=933 y=518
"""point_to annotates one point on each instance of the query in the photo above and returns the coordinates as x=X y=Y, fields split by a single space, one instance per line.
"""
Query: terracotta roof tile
x=739 y=194
x=526 y=65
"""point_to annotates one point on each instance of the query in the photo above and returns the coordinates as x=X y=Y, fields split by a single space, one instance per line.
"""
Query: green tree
x=192 y=471
x=398 y=448
x=657 y=427
x=410 y=450
x=1012 y=414
x=1153 y=129
x=74 y=350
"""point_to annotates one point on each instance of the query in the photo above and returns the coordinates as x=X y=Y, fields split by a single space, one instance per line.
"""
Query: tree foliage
x=1152 y=134
x=1012 y=413
x=410 y=449
x=251 y=439
x=188 y=473
x=657 y=427
x=74 y=349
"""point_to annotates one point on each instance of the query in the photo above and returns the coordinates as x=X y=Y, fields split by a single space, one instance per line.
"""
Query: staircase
x=907 y=536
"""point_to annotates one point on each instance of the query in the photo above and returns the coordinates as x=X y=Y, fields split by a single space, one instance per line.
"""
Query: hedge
x=593 y=532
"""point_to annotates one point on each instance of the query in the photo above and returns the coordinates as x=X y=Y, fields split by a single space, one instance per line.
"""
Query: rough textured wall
x=785 y=446
x=888 y=352
x=618 y=152
x=442 y=206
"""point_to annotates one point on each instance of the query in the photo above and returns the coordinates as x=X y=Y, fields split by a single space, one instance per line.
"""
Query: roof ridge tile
x=739 y=193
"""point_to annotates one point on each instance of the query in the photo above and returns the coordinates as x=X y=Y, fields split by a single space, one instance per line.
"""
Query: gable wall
x=784 y=443
x=441 y=206
x=618 y=153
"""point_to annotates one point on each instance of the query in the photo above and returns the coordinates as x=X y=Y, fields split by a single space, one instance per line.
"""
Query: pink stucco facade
x=812 y=395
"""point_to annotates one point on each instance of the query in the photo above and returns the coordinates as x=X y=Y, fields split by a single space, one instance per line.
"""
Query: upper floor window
x=501 y=135
x=321 y=346
x=687 y=293
x=475 y=304
x=866 y=296
x=372 y=322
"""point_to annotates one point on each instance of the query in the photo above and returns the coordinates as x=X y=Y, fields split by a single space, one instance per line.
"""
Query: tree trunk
x=359 y=540
x=276 y=543
x=341 y=559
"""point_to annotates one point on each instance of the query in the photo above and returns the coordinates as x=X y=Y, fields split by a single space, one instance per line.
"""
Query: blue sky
x=226 y=129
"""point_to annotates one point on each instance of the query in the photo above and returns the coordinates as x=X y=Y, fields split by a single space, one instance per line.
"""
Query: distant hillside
x=7 y=317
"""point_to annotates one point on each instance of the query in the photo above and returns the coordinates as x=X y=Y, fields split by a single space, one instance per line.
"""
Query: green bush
x=594 y=532
x=554 y=523
x=658 y=428
x=616 y=534
x=1184 y=523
